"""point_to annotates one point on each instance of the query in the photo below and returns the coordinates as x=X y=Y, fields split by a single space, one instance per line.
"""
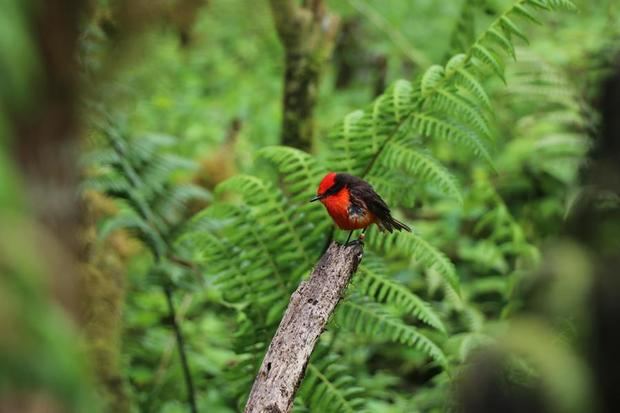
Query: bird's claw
x=354 y=242
x=359 y=241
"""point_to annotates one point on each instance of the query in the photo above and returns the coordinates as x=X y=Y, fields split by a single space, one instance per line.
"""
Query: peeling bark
x=309 y=310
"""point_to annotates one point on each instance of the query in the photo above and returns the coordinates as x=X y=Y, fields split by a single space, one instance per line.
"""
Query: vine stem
x=191 y=396
x=136 y=182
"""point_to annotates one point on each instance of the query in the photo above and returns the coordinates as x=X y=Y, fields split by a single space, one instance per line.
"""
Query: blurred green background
x=120 y=120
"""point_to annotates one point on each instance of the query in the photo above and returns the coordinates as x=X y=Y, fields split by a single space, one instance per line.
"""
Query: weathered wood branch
x=309 y=309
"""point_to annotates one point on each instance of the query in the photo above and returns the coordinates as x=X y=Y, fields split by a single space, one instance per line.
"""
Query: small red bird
x=353 y=204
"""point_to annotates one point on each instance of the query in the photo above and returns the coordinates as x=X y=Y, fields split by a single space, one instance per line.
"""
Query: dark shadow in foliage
x=594 y=228
x=596 y=225
x=488 y=387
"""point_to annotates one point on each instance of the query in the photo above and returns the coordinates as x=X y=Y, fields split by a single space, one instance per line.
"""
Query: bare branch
x=309 y=309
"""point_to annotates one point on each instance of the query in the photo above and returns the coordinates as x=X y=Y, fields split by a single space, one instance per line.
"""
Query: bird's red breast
x=339 y=208
x=338 y=205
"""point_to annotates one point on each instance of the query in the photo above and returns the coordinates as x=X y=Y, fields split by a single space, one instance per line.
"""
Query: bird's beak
x=317 y=198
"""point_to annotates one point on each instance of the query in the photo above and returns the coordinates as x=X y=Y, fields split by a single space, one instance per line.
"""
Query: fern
x=428 y=124
x=373 y=282
x=362 y=134
x=240 y=262
x=328 y=386
x=463 y=33
x=256 y=266
x=137 y=226
x=411 y=245
x=447 y=103
x=372 y=321
x=422 y=166
x=555 y=126
x=140 y=177
x=288 y=235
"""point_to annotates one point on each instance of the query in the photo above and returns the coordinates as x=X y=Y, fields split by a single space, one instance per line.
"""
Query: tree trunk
x=307 y=33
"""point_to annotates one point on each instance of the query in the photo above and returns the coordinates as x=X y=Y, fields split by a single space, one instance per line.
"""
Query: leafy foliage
x=257 y=266
x=141 y=177
x=328 y=385
x=452 y=151
x=370 y=320
x=375 y=284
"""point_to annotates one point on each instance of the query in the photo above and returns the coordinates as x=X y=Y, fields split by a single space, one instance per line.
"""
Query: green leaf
x=368 y=319
x=373 y=282
x=420 y=165
x=409 y=244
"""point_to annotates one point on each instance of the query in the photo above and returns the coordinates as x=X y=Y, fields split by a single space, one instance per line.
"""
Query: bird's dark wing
x=362 y=194
x=373 y=202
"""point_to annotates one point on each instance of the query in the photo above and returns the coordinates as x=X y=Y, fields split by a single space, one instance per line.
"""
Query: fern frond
x=466 y=80
x=409 y=244
x=488 y=57
x=242 y=268
x=173 y=204
x=468 y=111
x=430 y=125
x=329 y=387
x=109 y=183
x=145 y=148
x=431 y=79
x=423 y=166
x=372 y=282
x=295 y=239
x=436 y=103
x=124 y=220
x=510 y=27
x=370 y=320
x=258 y=263
x=389 y=182
x=550 y=136
x=440 y=86
x=502 y=39
x=135 y=224
x=298 y=170
x=99 y=157
x=158 y=171
x=356 y=141
x=554 y=4
x=500 y=31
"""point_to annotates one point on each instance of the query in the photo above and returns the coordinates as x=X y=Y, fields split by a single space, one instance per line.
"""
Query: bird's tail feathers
x=392 y=224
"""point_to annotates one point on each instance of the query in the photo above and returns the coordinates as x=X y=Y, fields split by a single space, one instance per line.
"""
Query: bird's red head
x=326 y=183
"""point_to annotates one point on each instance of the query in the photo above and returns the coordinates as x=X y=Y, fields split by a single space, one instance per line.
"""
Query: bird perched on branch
x=353 y=204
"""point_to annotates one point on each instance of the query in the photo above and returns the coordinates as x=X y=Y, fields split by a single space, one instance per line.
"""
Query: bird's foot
x=354 y=242
x=359 y=241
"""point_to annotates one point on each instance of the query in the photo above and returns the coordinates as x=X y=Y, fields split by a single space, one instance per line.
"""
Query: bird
x=353 y=204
